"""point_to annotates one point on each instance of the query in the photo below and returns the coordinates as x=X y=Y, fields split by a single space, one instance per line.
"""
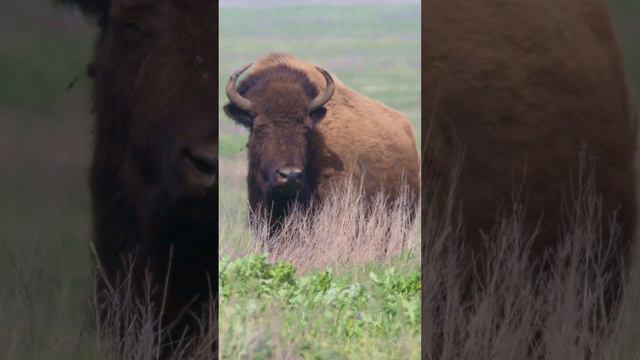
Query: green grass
x=318 y=315
x=329 y=295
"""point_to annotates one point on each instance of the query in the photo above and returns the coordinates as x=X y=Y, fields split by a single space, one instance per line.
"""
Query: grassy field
x=559 y=316
x=333 y=294
x=270 y=312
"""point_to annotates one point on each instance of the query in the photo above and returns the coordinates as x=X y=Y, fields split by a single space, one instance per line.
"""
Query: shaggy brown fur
x=519 y=88
x=350 y=135
x=154 y=172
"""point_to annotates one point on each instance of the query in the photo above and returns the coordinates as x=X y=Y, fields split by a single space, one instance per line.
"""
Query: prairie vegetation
x=515 y=312
x=341 y=281
x=337 y=284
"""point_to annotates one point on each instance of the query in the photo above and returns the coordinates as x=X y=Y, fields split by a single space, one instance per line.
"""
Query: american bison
x=309 y=132
x=154 y=173
x=520 y=91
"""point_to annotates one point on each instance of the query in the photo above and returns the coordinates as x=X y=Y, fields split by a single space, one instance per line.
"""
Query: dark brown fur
x=519 y=88
x=154 y=196
x=350 y=135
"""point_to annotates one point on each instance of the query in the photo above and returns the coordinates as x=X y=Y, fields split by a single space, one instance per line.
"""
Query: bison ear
x=240 y=116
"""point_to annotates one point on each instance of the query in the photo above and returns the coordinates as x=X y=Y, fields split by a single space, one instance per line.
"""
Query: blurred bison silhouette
x=523 y=101
x=154 y=174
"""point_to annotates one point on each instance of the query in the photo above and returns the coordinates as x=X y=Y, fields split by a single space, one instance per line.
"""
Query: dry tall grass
x=120 y=325
x=127 y=324
x=347 y=229
x=45 y=319
x=517 y=314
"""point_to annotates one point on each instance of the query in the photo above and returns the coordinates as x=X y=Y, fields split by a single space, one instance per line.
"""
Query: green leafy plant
x=317 y=313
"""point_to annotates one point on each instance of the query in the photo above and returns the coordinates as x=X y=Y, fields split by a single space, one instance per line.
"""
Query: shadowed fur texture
x=350 y=135
x=518 y=91
x=154 y=172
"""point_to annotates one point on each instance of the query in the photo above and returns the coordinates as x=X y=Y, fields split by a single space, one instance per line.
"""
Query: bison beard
x=154 y=173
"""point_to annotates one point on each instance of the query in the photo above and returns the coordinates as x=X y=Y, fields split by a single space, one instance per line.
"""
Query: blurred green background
x=45 y=137
x=45 y=131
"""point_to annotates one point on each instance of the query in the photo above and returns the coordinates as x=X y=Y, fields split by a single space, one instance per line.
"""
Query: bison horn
x=323 y=98
x=233 y=95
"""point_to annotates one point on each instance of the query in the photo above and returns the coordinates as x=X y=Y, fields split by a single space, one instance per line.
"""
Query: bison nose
x=289 y=175
x=202 y=166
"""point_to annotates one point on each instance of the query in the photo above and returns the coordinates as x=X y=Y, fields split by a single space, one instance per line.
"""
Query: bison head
x=280 y=107
x=155 y=97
